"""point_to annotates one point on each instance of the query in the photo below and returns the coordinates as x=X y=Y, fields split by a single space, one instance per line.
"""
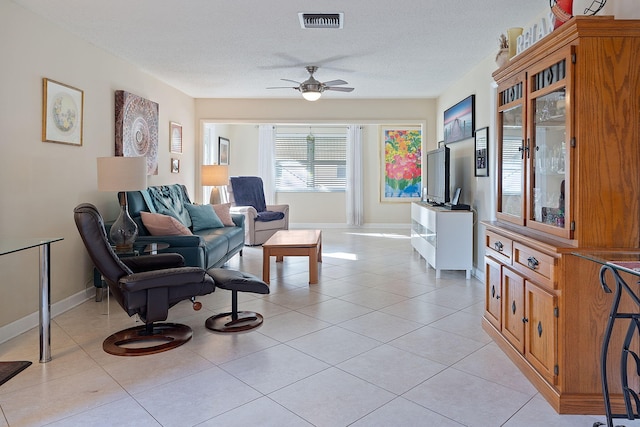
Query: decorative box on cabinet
x=568 y=182
x=443 y=237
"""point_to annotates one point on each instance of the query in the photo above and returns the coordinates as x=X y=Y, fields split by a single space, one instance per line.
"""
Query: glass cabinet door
x=548 y=205
x=549 y=159
x=511 y=154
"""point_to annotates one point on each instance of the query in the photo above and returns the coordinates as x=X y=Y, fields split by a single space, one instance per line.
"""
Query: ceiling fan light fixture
x=311 y=95
x=311 y=89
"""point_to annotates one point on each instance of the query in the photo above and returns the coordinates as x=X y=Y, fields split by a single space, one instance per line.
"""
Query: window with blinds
x=311 y=161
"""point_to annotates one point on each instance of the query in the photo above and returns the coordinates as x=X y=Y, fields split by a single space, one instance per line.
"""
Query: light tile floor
x=379 y=341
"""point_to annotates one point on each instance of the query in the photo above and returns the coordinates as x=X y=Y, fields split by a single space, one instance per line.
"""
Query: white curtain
x=267 y=161
x=354 y=192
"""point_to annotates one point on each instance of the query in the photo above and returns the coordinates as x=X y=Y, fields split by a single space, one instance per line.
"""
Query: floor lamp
x=122 y=174
x=216 y=176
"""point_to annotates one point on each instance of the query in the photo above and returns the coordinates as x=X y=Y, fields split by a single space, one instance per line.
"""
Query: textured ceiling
x=238 y=48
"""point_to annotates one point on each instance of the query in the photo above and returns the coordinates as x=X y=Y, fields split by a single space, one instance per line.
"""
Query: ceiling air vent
x=321 y=20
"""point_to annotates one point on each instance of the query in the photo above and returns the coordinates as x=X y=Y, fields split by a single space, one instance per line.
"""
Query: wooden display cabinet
x=568 y=139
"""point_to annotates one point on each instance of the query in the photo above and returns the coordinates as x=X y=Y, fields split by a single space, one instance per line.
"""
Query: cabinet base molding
x=547 y=391
x=562 y=403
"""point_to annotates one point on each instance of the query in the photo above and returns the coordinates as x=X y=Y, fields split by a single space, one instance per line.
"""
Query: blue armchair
x=246 y=194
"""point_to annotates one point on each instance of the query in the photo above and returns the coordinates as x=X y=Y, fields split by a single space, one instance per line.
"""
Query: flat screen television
x=438 y=176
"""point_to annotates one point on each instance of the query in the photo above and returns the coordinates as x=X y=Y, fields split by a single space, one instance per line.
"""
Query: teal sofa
x=205 y=248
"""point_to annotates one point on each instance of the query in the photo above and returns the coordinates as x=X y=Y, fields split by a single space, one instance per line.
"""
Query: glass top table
x=9 y=245
x=612 y=281
x=15 y=244
x=629 y=262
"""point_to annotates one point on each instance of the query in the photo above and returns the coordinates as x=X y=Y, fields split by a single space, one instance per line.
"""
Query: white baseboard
x=22 y=325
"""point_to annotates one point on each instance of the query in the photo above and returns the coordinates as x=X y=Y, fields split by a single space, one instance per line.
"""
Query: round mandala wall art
x=137 y=128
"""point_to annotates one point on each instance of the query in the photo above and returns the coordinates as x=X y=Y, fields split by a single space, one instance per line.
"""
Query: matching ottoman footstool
x=236 y=281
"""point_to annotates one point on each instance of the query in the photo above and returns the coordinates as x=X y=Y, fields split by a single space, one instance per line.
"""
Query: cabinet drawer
x=498 y=247
x=534 y=264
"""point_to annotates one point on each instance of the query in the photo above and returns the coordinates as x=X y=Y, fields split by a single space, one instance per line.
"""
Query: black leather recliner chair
x=145 y=285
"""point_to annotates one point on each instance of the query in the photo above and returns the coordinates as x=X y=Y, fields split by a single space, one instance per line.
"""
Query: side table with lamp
x=121 y=174
x=215 y=176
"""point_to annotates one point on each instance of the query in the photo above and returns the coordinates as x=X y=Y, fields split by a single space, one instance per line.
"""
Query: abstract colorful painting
x=401 y=155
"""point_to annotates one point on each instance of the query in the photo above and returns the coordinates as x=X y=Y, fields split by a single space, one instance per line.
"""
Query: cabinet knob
x=532 y=263
x=499 y=246
x=525 y=320
x=513 y=307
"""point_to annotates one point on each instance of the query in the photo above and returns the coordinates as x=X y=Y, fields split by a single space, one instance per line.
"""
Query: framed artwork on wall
x=223 y=151
x=401 y=163
x=62 y=113
x=459 y=120
x=137 y=129
x=175 y=165
x=482 y=152
x=175 y=137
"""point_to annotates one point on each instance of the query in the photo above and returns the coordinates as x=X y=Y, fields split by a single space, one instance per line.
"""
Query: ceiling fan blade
x=335 y=83
x=284 y=87
x=292 y=81
x=339 y=89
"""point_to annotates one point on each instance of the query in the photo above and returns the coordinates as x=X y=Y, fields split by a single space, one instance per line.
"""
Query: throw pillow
x=203 y=217
x=224 y=213
x=163 y=225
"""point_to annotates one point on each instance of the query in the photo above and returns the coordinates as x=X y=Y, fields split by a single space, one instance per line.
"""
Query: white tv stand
x=443 y=237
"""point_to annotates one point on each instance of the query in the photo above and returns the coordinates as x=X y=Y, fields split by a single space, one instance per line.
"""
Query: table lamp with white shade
x=216 y=176
x=122 y=174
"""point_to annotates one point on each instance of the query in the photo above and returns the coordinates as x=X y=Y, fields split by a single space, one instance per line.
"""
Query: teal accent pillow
x=203 y=217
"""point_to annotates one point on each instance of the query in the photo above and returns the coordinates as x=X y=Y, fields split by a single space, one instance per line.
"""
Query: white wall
x=42 y=182
x=621 y=9
x=479 y=192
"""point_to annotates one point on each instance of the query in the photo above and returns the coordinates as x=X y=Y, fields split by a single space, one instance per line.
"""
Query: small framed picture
x=223 y=151
x=482 y=152
x=175 y=165
x=175 y=132
x=62 y=108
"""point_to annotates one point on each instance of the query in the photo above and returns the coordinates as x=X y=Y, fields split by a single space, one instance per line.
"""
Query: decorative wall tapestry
x=401 y=154
x=137 y=128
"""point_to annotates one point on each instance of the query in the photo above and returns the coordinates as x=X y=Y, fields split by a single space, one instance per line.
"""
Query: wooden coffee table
x=293 y=243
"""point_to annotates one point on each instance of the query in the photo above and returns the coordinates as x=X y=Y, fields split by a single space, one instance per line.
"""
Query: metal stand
x=45 y=304
x=631 y=400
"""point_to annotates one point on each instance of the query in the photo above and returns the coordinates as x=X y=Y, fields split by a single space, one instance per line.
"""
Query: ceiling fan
x=311 y=88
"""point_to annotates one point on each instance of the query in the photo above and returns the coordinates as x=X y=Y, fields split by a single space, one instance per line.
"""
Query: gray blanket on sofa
x=170 y=200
